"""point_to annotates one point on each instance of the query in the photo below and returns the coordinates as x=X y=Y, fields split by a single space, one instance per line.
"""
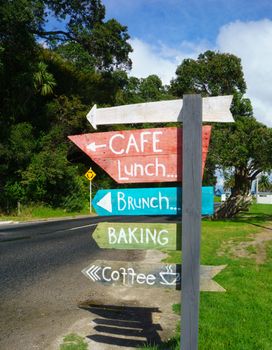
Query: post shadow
x=125 y=326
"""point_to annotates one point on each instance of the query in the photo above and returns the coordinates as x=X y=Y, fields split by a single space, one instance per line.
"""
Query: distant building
x=264 y=198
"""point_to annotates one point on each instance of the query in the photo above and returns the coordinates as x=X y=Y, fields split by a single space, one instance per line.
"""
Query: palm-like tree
x=44 y=81
x=264 y=184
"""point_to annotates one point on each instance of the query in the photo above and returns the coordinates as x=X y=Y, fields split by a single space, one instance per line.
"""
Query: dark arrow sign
x=132 y=274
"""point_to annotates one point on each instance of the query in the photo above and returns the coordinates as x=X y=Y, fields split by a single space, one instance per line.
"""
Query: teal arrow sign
x=147 y=201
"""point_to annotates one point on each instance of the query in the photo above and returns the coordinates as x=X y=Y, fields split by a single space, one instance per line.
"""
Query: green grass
x=217 y=199
x=41 y=212
x=241 y=318
x=73 y=342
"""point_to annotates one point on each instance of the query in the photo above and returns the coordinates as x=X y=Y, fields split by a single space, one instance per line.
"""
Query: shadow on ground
x=124 y=325
x=254 y=218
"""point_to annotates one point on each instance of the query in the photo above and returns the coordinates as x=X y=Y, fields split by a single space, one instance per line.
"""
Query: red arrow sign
x=146 y=155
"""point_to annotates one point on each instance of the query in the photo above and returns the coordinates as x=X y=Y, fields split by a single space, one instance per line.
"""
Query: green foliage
x=49 y=177
x=151 y=88
x=209 y=178
x=264 y=184
x=21 y=143
x=44 y=81
x=78 y=197
x=74 y=53
x=103 y=43
x=211 y=74
x=73 y=342
x=47 y=92
x=249 y=157
x=240 y=149
x=19 y=53
x=135 y=90
x=12 y=193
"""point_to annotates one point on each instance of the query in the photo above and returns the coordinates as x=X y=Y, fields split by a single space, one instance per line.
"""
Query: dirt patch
x=254 y=248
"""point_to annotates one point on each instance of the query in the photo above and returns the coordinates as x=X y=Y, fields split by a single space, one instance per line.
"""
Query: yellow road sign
x=90 y=175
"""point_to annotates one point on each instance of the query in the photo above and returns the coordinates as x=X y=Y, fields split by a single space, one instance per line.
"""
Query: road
x=40 y=278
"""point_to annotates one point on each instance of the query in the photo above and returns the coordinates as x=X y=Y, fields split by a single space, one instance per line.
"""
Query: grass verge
x=41 y=212
x=241 y=318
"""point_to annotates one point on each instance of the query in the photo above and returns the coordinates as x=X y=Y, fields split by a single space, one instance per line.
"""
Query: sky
x=164 y=32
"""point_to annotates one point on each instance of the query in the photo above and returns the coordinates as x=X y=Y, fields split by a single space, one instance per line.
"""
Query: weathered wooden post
x=157 y=154
x=191 y=219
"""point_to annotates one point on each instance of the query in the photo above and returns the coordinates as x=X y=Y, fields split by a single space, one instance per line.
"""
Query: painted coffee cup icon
x=169 y=277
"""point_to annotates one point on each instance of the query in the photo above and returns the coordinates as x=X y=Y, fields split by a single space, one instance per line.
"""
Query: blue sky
x=164 y=32
x=174 y=21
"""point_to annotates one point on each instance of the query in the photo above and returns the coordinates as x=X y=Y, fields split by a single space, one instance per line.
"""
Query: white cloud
x=251 y=41
x=147 y=60
x=161 y=59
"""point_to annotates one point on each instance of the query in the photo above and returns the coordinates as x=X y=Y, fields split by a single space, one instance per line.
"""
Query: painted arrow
x=138 y=236
x=133 y=274
x=147 y=201
x=93 y=147
x=215 y=109
x=92 y=271
x=145 y=155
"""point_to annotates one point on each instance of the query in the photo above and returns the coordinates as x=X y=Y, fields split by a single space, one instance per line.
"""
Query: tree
x=264 y=184
x=88 y=40
x=241 y=148
x=212 y=74
x=50 y=178
x=105 y=42
x=151 y=88
x=49 y=80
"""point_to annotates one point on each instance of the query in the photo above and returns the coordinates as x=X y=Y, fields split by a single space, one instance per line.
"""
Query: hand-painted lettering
x=135 y=143
x=137 y=235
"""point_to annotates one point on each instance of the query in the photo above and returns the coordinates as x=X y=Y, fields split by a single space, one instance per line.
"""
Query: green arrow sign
x=138 y=236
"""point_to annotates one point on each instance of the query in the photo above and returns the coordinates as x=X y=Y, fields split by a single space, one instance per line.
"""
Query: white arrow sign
x=105 y=202
x=215 y=109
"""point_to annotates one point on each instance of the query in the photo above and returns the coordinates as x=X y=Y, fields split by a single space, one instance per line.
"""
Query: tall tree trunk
x=233 y=206
x=240 y=198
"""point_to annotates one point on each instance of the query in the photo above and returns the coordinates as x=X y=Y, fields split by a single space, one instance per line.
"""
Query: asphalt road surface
x=40 y=276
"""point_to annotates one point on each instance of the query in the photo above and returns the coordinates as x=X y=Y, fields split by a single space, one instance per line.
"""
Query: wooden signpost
x=157 y=155
x=215 y=109
x=147 y=201
x=133 y=274
x=138 y=236
x=145 y=155
x=191 y=221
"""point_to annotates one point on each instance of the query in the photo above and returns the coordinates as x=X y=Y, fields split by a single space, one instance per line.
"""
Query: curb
x=61 y=218
x=7 y=222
